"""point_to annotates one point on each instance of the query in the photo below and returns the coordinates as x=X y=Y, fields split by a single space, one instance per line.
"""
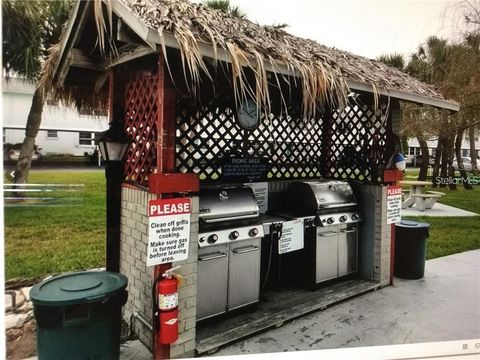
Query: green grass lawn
x=44 y=240
x=48 y=240
x=451 y=235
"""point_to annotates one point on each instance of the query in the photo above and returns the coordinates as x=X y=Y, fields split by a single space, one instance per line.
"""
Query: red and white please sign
x=394 y=204
x=168 y=230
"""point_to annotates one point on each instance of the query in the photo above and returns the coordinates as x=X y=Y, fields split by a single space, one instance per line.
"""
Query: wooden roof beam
x=126 y=16
x=406 y=96
x=133 y=52
x=74 y=27
x=80 y=60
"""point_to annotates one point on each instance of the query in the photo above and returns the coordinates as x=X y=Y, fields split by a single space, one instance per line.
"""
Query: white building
x=62 y=131
x=414 y=146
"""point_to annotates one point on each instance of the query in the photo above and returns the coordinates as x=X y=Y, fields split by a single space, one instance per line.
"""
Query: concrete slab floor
x=438 y=210
x=444 y=305
x=131 y=350
x=134 y=350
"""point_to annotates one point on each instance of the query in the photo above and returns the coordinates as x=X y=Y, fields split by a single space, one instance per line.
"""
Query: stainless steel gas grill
x=330 y=215
x=229 y=250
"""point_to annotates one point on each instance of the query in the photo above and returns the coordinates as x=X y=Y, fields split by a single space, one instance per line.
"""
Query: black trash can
x=410 y=249
x=79 y=315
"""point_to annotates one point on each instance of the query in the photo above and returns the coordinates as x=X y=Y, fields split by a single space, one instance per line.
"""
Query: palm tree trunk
x=422 y=175
x=445 y=160
x=33 y=125
x=458 y=154
x=473 y=151
x=450 y=155
x=438 y=158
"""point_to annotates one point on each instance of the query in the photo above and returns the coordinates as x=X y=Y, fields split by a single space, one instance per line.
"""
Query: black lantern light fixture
x=113 y=143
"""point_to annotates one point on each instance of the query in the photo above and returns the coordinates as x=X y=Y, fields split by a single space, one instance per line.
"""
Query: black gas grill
x=330 y=216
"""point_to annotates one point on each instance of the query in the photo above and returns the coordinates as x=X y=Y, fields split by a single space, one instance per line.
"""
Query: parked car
x=12 y=152
x=466 y=164
x=418 y=161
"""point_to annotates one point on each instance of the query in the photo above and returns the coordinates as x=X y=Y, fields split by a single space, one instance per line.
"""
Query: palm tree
x=395 y=60
x=30 y=28
x=453 y=68
x=411 y=125
x=225 y=6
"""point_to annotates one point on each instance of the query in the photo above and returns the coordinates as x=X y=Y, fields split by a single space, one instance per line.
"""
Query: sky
x=364 y=27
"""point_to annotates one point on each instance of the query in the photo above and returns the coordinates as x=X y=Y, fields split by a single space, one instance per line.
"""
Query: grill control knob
x=202 y=239
x=212 y=239
x=343 y=218
x=330 y=220
x=233 y=235
x=355 y=217
x=253 y=232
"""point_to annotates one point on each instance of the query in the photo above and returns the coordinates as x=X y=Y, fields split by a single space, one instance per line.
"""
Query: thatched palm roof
x=326 y=74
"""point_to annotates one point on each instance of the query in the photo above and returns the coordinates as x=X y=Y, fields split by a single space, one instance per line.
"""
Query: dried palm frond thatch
x=104 y=28
x=249 y=45
x=78 y=96
x=321 y=72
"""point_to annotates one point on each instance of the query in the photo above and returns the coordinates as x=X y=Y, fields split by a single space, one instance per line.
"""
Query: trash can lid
x=77 y=288
x=412 y=224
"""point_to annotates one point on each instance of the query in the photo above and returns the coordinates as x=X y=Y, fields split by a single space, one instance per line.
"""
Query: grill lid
x=227 y=203
x=311 y=197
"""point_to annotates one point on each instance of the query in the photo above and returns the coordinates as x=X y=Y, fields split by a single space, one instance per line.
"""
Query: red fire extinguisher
x=166 y=307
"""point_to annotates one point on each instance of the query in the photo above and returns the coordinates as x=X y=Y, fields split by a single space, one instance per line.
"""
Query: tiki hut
x=115 y=32
x=174 y=75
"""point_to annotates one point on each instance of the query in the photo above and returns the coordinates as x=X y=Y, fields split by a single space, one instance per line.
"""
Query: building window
x=467 y=137
x=94 y=112
x=413 y=150
x=52 y=134
x=85 y=138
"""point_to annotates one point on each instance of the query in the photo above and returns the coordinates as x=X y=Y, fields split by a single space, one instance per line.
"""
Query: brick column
x=374 y=236
x=187 y=295
x=382 y=249
x=133 y=256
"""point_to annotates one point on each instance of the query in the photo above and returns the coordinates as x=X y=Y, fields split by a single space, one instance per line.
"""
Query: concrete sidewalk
x=444 y=305
x=438 y=210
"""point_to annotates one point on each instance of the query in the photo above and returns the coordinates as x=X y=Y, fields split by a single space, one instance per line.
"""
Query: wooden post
x=326 y=152
x=161 y=351
x=169 y=122
x=113 y=175
x=113 y=172
x=393 y=143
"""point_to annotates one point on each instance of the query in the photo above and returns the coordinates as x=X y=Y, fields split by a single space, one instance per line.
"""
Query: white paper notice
x=292 y=236
x=168 y=230
x=260 y=189
x=394 y=204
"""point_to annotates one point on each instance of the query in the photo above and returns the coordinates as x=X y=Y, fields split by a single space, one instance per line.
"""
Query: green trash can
x=410 y=249
x=79 y=315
